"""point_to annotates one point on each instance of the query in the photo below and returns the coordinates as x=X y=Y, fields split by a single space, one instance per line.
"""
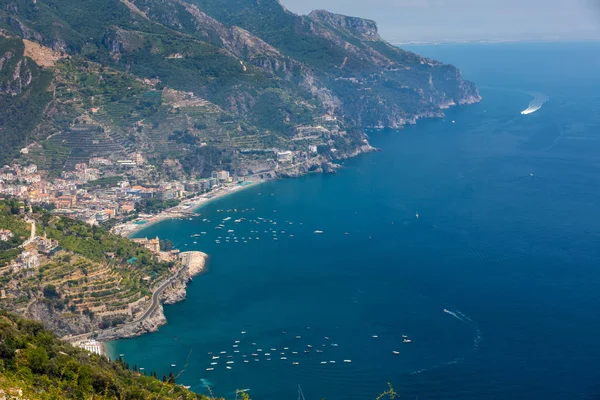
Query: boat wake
x=455 y=315
x=538 y=101
x=476 y=340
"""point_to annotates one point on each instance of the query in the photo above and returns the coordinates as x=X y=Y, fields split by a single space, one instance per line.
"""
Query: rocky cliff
x=173 y=293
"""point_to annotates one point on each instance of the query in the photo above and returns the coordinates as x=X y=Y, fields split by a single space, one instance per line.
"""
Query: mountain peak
x=365 y=28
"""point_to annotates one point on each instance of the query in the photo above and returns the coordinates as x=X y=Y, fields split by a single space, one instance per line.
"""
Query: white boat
x=298 y=337
x=395 y=352
x=246 y=361
x=228 y=367
x=407 y=341
x=317 y=232
x=230 y=362
x=243 y=332
x=213 y=363
x=374 y=336
x=331 y=362
x=334 y=344
x=405 y=337
x=295 y=363
x=347 y=361
x=284 y=358
x=417 y=215
x=267 y=354
x=323 y=362
x=215 y=357
x=210 y=369
x=230 y=231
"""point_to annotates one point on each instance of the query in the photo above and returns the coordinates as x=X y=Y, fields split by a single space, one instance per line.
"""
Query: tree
x=171 y=378
x=50 y=292
x=37 y=359
x=166 y=245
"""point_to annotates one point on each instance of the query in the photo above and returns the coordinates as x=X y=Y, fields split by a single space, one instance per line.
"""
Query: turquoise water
x=495 y=283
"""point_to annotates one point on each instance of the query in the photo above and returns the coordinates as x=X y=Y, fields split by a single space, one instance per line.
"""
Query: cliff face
x=173 y=293
x=364 y=28
x=369 y=81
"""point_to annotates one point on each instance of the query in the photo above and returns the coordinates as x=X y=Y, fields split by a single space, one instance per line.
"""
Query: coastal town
x=112 y=195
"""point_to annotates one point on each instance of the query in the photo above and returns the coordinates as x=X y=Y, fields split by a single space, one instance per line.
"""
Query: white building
x=222 y=176
x=285 y=156
x=92 y=346
x=5 y=234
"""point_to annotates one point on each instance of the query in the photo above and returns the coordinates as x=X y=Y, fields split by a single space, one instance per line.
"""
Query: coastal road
x=156 y=295
x=155 y=303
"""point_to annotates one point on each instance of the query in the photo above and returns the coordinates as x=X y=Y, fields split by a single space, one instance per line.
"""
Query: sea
x=462 y=261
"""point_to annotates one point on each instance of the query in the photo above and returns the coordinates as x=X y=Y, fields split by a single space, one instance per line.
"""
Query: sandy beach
x=186 y=209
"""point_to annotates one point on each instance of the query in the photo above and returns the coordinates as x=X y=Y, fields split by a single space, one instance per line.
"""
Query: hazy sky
x=402 y=21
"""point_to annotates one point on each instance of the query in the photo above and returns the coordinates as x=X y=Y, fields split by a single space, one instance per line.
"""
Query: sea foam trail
x=476 y=340
x=455 y=315
x=538 y=101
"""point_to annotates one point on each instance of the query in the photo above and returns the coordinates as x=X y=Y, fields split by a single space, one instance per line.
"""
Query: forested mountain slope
x=204 y=82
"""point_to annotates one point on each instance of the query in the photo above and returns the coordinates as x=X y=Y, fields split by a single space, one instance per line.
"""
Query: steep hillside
x=23 y=96
x=73 y=277
x=36 y=365
x=207 y=83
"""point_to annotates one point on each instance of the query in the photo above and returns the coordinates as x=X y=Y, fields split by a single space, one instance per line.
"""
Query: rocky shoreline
x=174 y=292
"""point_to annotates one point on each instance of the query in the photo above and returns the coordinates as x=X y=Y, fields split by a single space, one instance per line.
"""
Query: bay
x=495 y=282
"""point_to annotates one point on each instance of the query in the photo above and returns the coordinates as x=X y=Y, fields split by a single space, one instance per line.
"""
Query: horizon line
x=494 y=41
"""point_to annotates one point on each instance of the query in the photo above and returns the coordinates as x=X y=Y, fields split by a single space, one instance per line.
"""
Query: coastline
x=186 y=209
x=171 y=291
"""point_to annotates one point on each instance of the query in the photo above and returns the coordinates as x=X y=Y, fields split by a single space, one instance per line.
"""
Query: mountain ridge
x=269 y=73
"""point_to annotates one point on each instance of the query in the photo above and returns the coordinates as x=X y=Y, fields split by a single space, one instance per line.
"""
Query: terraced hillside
x=84 y=278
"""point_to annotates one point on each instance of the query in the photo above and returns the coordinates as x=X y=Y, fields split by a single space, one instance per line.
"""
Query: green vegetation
x=108 y=181
x=154 y=206
x=23 y=95
x=169 y=81
x=91 y=269
x=44 y=367
x=8 y=220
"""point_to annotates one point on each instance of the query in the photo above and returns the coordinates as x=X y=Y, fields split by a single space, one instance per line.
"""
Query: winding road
x=153 y=306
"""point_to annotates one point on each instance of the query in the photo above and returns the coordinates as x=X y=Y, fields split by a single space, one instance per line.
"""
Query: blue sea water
x=496 y=283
